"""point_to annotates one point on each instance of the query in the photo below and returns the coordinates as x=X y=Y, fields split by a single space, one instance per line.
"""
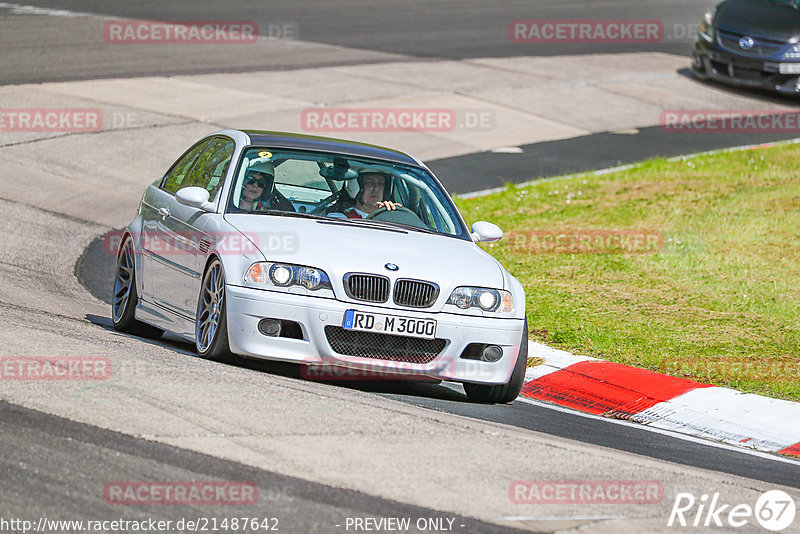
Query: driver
x=373 y=194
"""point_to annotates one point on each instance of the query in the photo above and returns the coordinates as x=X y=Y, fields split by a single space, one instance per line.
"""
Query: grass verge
x=690 y=267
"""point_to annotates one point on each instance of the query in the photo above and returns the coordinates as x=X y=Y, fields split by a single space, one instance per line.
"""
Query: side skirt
x=165 y=319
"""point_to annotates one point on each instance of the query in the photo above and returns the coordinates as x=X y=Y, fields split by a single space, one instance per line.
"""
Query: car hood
x=339 y=247
x=759 y=18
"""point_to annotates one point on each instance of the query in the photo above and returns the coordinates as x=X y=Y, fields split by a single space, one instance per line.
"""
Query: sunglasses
x=260 y=182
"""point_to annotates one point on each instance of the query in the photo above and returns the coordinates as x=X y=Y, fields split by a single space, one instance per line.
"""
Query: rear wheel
x=125 y=298
x=503 y=393
x=211 y=327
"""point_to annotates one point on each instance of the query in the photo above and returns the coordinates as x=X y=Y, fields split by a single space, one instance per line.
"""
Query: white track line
x=19 y=9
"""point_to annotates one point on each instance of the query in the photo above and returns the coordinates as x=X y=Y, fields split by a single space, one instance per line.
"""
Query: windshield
x=331 y=186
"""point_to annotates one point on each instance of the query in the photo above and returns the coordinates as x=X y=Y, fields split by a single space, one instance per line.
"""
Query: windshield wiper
x=363 y=222
x=416 y=228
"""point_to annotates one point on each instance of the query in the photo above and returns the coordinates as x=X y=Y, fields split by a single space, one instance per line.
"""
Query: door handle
x=164 y=212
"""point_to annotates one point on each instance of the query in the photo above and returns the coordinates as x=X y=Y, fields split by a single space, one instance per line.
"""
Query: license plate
x=389 y=324
x=789 y=68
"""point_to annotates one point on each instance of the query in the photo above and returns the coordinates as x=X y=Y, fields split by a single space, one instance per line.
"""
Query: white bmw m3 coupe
x=322 y=252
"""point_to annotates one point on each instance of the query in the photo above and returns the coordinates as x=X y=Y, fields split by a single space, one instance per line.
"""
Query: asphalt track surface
x=410 y=30
x=67 y=48
x=624 y=437
x=90 y=456
x=486 y=170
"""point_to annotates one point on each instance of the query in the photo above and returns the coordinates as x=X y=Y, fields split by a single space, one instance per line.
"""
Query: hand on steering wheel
x=388 y=205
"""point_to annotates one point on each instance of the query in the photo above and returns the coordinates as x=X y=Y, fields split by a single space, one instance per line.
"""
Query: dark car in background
x=751 y=43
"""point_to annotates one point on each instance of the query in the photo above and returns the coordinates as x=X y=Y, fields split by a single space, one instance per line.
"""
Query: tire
x=125 y=297
x=211 y=325
x=503 y=393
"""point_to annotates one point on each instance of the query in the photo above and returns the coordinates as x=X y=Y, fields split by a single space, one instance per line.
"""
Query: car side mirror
x=195 y=197
x=485 y=232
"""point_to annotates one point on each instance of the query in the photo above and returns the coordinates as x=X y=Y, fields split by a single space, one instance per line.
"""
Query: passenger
x=259 y=193
x=373 y=194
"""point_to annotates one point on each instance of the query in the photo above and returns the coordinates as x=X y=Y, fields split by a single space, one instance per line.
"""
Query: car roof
x=329 y=144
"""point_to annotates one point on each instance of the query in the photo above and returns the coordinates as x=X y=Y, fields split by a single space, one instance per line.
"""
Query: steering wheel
x=324 y=205
x=401 y=215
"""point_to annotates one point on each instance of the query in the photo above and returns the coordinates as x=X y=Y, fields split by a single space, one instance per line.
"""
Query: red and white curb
x=665 y=402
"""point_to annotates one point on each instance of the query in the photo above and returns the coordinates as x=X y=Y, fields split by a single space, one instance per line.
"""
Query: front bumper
x=715 y=63
x=246 y=307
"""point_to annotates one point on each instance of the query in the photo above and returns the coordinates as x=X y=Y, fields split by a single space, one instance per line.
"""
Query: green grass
x=717 y=301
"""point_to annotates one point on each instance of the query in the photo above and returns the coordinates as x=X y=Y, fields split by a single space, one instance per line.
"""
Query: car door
x=178 y=284
x=156 y=205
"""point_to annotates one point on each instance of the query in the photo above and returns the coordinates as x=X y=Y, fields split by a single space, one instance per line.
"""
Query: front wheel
x=503 y=393
x=126 y=298
x=211 y=327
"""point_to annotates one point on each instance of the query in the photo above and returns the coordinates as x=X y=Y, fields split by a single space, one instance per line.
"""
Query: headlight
x=707 y=26
x=793 y=53
x=281 y=275
x=310 y=278
x=287 y=275
x=490 y=300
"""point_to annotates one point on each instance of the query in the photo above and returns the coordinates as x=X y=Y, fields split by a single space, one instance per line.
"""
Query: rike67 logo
x=774 y=510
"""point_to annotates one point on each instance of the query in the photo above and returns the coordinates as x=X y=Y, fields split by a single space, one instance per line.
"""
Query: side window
x=177 y=173
x=211 y=166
